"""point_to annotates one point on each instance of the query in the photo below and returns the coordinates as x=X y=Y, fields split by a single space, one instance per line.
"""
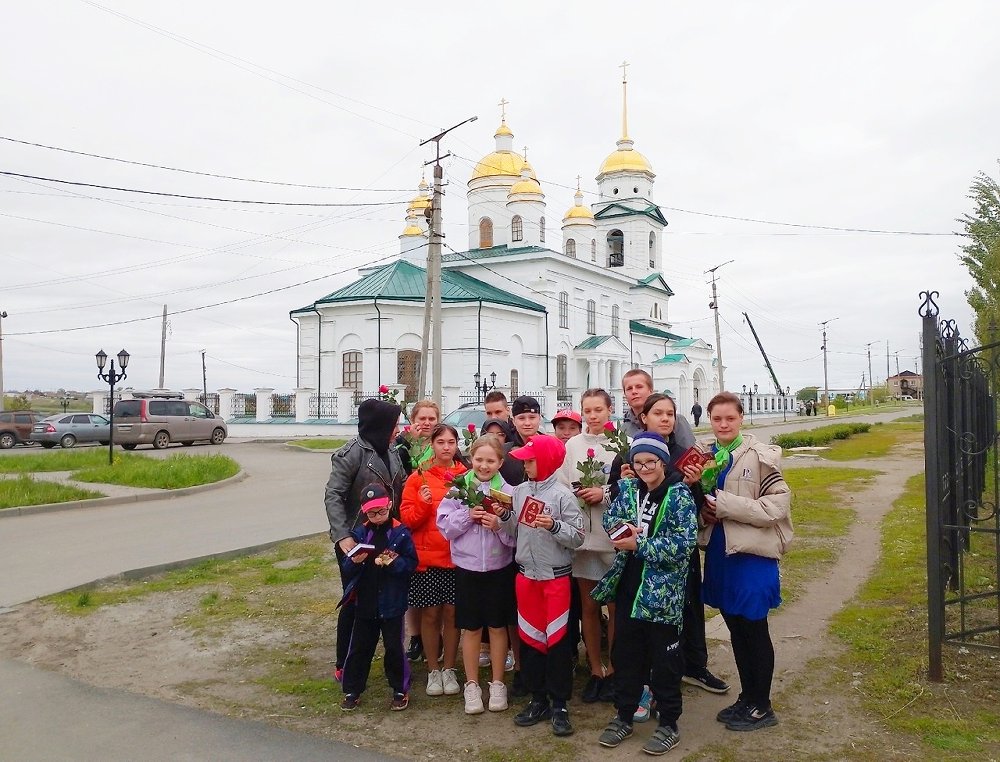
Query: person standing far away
x=496 y=406
x=369 y=456
x=746 y=527
x=637 y=385
x=527 y=415
x=696 y=413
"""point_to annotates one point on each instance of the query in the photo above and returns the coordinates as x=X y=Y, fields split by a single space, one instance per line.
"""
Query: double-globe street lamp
x=750 y=393
x=112 y=378
x=482 y=389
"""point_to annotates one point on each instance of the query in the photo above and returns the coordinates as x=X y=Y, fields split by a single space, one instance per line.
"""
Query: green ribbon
x=496 y=481
x=723 y=454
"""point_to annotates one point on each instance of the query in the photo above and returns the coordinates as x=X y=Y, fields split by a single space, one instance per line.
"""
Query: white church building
x=548 y=317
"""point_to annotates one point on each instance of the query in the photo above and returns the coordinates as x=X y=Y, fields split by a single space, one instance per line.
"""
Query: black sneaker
x=399 y=702
x=725 y=715
x=560 y=722
x=517 y=687
x=350 y=702
x=533 y=713
x=616 y=732
x=706 y=681
x=607 y=691
x=664 y=738
x=415 y=651
x=752 y=718
x=592 y=690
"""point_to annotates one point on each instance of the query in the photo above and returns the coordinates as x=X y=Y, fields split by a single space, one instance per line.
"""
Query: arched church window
x=513 y=384
x=616 y=249
x=541 y=230
x=591 y=317
x=561 y=373
x=652 y=251
x=563 y=310
x=517 y=228
x=593 y=249
x=408 y=371
x=485 y=233
x=352 y=370
x=570 y=248
x=615 y=318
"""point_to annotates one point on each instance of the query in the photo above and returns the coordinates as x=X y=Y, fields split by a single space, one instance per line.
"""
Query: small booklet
x=531 y=510
x=498 y=503
x=361 y=547
x=619 y=530
x=693 y=456
x=386 y=557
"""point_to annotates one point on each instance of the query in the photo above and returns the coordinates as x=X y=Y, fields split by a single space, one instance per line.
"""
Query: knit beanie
x=650 y=443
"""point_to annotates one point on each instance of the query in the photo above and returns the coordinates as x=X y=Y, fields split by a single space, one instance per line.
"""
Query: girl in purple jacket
x=484 y=574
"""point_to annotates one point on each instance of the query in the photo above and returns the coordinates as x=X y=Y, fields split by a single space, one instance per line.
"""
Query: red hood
x=547 y=452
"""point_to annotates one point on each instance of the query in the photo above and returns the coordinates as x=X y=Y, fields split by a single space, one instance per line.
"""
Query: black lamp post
x=112 y=378
x=482 y=389
x=750 y=393
x=784 y=404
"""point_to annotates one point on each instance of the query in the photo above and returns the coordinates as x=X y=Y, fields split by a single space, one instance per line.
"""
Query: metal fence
x=108 y=403
x=469 y=397
x=211 y=401
x=323 y=406
x=244 y=406
x=961 y=384
x=282 y=405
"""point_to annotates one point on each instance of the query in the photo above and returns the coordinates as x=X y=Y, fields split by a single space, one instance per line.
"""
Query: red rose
x=609 y=426
x=591 y=453
x=472 y=428
x=406 y=429
x=449 y=476
x=383 y=389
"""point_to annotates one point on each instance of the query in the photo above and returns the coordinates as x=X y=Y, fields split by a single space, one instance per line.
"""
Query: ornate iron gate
x=961 y=385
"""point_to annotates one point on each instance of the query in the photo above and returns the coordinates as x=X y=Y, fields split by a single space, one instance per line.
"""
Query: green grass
x=885 y=631
x=55 y=460
x=820 y=436
x=232 y=583
x=821 y=516
x=318 y=443
x=875 y=443
x=24 y=491
x=175 y=472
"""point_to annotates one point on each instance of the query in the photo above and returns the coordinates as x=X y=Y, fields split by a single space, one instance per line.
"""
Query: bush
x=821 y=436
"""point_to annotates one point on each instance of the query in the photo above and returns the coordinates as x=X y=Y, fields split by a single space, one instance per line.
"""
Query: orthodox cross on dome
x=624 y=67
x=503 y=108
x=526 y=153
x=578 y=183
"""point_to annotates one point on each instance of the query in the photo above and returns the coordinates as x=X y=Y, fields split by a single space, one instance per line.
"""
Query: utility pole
x=896 y=353
x=826 y=377
x=204 y=380
x=714 y=306
x=887 y=366
x=163 y=347
x=2 y=316
x=432 y=302
x=868 y=346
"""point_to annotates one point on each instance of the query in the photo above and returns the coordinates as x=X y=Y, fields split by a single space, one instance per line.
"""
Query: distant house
x=906 y=384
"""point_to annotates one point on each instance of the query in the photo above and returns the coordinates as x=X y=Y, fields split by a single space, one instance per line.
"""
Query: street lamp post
x=750 y=393
x=482 y=389
x=784 y=404
x=112 y=378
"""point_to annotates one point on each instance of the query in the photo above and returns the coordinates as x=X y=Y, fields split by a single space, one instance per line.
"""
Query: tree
x=807 y=393
x=981 y=255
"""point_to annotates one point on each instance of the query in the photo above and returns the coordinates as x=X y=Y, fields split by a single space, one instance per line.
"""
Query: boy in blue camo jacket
x=653 y=526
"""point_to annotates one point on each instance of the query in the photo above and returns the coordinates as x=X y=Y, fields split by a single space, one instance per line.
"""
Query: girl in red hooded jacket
x=432 y=587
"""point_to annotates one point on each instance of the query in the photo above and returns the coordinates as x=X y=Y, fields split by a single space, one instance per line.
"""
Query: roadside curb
x=137 y=498
x=149 y=571
x=300 y=448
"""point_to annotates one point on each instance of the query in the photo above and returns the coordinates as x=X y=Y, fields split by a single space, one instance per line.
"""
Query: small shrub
x=821 y=436
x=83 y=601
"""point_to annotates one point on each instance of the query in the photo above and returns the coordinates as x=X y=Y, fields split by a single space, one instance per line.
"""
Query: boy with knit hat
x=547 y=523
x=653 y=525
x=376 y=575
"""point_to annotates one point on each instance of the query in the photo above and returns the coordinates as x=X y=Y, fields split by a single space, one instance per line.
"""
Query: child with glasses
x=376 y=574
x=653 y=526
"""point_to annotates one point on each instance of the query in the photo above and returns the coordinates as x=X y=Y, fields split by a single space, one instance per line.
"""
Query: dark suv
x=15 y=427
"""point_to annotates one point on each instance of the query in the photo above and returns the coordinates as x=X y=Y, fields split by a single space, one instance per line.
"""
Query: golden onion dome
x=500 y=164
x=418 y=204
x=412 y=229
x=625 y=159
x=503 y=130
x=579 y=212
x=526 y=185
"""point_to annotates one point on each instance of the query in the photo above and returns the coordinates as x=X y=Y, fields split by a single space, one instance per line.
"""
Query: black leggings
x=754 y=654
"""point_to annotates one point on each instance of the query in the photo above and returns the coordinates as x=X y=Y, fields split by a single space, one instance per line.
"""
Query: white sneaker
x=474 y=698
x=435 y=686
x=508 y=665
x=498 y=697
x=450 y=682
x=484 y=659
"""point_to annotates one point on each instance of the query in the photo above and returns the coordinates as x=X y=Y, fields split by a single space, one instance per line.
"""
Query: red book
x=532 y=507
x=693 y=457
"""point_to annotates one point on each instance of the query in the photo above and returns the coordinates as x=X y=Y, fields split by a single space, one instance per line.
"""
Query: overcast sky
x=871 y=115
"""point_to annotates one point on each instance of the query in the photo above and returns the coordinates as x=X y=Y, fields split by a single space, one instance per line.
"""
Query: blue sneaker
x=643 y=713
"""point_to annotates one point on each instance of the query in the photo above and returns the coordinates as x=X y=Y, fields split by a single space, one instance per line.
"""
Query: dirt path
x=116 y=647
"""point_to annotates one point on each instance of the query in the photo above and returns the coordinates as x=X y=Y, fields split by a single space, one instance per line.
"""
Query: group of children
x=473 y=553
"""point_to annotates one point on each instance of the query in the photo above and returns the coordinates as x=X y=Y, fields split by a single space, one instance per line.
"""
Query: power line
x=199 y=198
x=204 y=306
x=205 y=174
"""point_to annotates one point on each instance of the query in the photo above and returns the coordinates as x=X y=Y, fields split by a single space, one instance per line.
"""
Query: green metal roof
x=636 y=327
x=593 y=342
x=655 y=280
x=685 y=342
x=404 y=282
x=615 y=210
x=671 y=358
x=503 y=250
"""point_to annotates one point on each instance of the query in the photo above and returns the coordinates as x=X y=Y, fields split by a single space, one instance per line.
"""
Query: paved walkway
x=50 y=716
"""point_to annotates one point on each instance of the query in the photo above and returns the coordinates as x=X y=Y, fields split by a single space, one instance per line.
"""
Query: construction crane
x=777 y=384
